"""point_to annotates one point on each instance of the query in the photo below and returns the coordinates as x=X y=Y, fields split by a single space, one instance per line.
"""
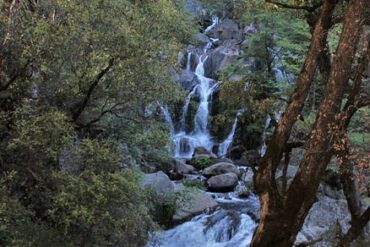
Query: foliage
x=107 y=209
x=76 y=78
x=200 y=162
x=194 y=184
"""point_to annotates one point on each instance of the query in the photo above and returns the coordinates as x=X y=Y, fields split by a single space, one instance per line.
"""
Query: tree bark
x=264 y=178
x=282 y=218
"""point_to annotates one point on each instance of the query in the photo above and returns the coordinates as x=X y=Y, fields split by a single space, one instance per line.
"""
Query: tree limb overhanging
x=91 y=89
x=309 y=8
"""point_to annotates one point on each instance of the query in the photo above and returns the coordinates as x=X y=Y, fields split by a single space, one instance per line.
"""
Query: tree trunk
x=282 y=218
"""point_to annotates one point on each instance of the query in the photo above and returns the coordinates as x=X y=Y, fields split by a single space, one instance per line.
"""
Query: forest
x=184 y=123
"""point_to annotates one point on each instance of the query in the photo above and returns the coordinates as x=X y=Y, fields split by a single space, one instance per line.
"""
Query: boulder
x=159 y=182
x=203 y=150
x=187 y=79
x=222 y=183
x=243 y=191
x=220 y=58
x=220 y=168
x=201 y=161
x=252 y=157
x=236 y=152
x=325 y=214
x=227 y=30
x=201 y=39
x=182 y=168
x=195 y=203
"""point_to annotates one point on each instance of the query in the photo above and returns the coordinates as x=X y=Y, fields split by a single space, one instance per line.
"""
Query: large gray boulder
x=220 y=168
x=182 y=168
x=195 y=203
x=187 y=79
x=324 y=219
x=222 y=183
x=220 y=58
x=227 y=30
x=201 y=39
x=159 y=182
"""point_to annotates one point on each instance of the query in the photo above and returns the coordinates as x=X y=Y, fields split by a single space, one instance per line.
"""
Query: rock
x=247 y=178
x=182 y=168
x=187 y=79
x=219 y=160
x=252 y=157
x=250 y=29
x=227 y=30
x=181 y=59
x=201 y=39
x=174 y=75
x=203 y=150
x=222 y=183
x=322 y=217
x=195 y=203
x=242 y=191
x=193 y=7
x=220 y=58
x=200 y=161
x=236 y=78
x=220 y=168
x=236 y=152
x=159 y=182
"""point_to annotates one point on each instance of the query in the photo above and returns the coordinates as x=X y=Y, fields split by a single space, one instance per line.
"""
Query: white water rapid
x=231 y=226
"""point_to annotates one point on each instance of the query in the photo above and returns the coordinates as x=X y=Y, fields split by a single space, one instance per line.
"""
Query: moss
x=194 y=184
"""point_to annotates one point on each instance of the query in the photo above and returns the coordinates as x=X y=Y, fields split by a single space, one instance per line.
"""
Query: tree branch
x=309 y=8
x=14 y=77
x=93 y=85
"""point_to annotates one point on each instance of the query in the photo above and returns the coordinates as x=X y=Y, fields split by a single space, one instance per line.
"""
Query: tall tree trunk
x=282 y=217
x=264 y=179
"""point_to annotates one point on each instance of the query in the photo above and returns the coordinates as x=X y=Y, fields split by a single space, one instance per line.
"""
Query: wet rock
x=222 y=183
x=201 y=151
x=182 y=168
x=195 y=203
x=220 y=168
x=159 y=182
x=201 y=39
x=201 y=161
x=236 y=152
x=243 y=191
x=220 y=58
x=187 y=79
x=227 y=30
x=250 y=157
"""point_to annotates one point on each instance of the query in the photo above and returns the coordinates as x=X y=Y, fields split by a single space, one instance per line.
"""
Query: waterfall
x=230 y=226
x=186 y=108
x=215 y=22
x=224 y=146
x=186 y=141
x=168 y=118
x=188 y=62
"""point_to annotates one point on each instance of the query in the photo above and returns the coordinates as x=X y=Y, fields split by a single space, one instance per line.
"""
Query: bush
x=108 y=209
x=194 y=184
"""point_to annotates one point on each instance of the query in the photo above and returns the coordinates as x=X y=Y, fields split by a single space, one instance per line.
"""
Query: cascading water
x=231 y=226
x=185 y=142
x=224 y=146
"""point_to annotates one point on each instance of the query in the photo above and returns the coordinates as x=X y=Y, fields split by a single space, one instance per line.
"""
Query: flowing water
x=186 y=141
x=230 y=226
